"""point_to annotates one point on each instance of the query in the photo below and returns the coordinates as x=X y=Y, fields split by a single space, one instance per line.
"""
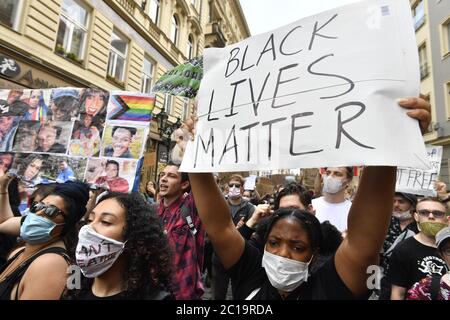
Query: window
x=419 y=14
x=72 y=30
x=168 y=103
x=190 y=48
x=186 y=109
x=10 y=13
x=423 y=61
x=154 y=11
x=174 y=30
x=117 y=56
x=446 y=37
x=147 y=76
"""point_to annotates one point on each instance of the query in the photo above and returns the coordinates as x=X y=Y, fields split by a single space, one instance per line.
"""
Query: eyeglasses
x=237 y=185
x=436 y=213
x=49 y=210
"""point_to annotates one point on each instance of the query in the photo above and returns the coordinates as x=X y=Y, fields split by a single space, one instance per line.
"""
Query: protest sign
x=183 y=80
x=421 y=182
x=55 y=135
x=250 y=183
x=321 y=91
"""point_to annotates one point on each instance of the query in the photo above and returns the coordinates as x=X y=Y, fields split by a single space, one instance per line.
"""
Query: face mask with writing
x=95 y=253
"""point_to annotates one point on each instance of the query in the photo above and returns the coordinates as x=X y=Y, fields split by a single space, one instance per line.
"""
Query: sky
x=266 y=15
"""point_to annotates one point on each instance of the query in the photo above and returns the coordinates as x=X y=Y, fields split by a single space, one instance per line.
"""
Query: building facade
x=113 y=45
x=432 y=24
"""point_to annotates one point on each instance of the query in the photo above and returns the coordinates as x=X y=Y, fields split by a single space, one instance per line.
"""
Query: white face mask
x=95 y=253
x=234 y=193
x=332 y=185
x=283 y=273
x=402 y=215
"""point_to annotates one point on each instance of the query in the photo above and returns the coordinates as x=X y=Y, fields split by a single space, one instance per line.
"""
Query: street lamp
x=166 y=129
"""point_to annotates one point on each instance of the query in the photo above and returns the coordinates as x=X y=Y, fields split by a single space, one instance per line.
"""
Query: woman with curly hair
x=123 y=252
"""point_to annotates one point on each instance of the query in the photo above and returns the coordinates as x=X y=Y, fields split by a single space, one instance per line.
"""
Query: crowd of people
x=189 y=231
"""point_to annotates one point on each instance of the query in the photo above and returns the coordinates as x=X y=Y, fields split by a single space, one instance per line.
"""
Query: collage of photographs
x=60 y=134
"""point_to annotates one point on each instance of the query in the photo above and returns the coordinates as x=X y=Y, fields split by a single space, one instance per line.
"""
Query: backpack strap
x=435 y=286
x=186 y=214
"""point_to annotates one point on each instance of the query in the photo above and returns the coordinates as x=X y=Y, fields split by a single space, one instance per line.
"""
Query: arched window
x=190 y=48
x=174 y=30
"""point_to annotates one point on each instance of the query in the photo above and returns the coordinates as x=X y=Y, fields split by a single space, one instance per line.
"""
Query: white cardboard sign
x=318 y=92
x=417 y=181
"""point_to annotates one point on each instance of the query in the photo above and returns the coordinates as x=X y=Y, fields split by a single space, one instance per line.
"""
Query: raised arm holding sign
x=318 y=92
x=293 y=237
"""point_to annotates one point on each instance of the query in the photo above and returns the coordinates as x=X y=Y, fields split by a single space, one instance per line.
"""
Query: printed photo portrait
x=31 y=167
x=130 y=107
x=65 y=104
x=38 y=102
x=41 y=168
x=117 y=174
x=30 y=104
x=6 y=161
x=86 y=136
x=8 y=128
x=53 y=136
x=123 y=142
x=93 y=102
x=26 y=138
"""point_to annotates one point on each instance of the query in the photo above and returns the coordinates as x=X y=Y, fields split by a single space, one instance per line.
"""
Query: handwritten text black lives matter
x=274 y=48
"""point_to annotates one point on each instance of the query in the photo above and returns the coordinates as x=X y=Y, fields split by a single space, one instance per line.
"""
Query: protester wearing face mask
x=38 y=270
x=342 y=276
x=401 y=227
x=417 y=257
x=435 y=287
x=241 y=211
x=333 y=206
x=123 y=252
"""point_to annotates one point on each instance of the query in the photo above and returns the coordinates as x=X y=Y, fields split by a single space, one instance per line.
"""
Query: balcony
x=214 y=36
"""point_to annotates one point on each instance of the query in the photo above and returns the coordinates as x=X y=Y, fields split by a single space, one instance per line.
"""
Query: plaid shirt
x=187 y=249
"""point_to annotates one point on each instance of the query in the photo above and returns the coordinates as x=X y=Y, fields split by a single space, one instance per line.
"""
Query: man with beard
x=402 y=226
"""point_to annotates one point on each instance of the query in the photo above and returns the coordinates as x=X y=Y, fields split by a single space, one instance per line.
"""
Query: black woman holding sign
x=293 y=239
x=122 y=252
x=39 y=269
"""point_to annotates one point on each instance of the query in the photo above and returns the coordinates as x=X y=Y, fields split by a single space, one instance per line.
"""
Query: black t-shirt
x=412 y=261
x=248 y=274
x=87 y=294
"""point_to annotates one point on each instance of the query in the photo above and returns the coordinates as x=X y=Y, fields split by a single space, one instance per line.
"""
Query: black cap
x=408 y=196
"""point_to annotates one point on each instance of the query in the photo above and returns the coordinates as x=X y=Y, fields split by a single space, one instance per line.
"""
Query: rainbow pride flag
x=131 y=107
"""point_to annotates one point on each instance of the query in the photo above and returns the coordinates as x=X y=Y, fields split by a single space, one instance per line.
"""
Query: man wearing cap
x=417 y=257
x=402 y=226
x=64 y=104
x=435 y=287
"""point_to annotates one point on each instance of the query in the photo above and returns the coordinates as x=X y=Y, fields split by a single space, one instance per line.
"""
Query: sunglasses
x=49 y=210
x=436 y=213
x=237 y=185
